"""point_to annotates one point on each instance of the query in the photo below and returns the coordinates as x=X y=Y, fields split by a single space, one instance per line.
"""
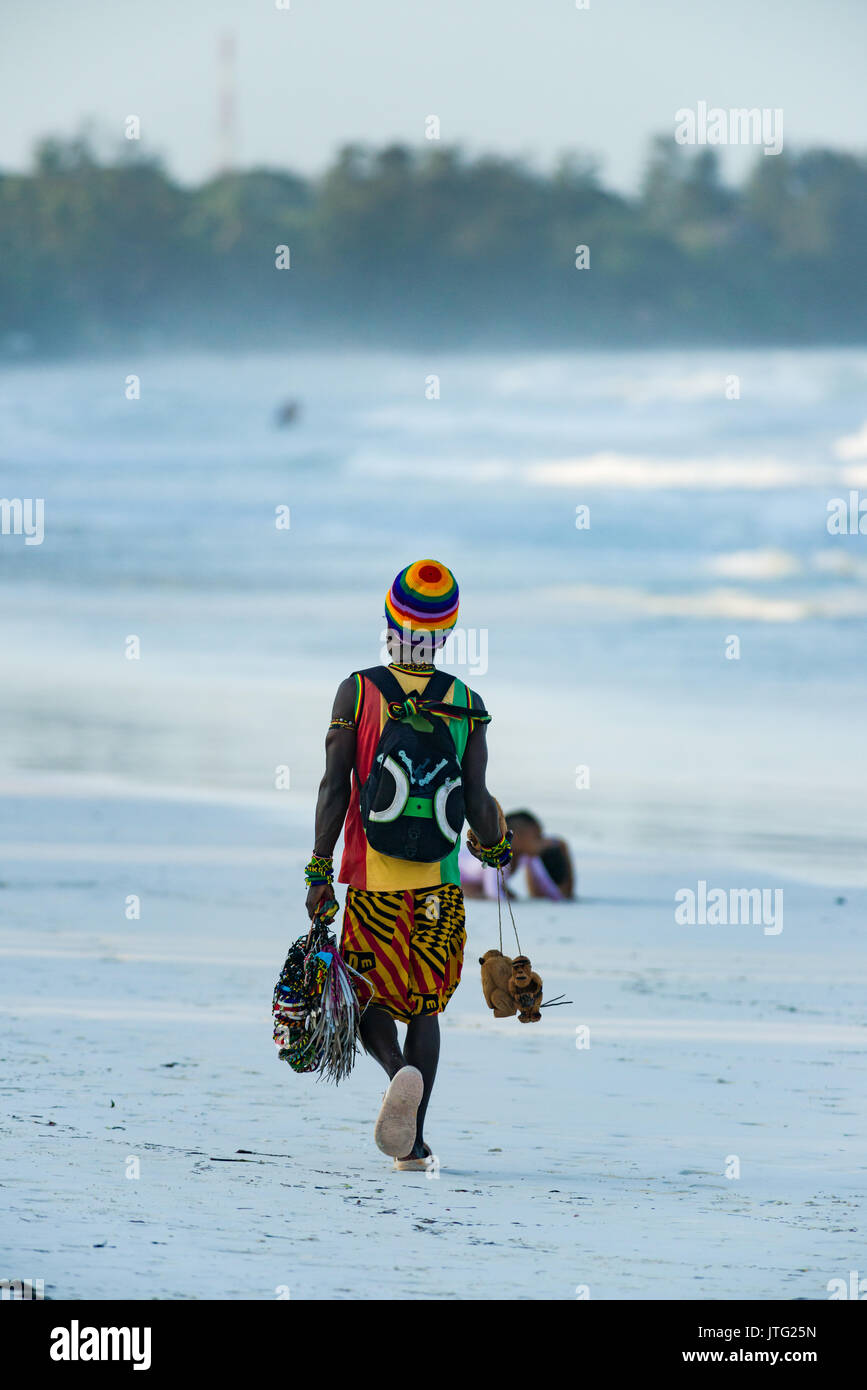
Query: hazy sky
x=531 y=77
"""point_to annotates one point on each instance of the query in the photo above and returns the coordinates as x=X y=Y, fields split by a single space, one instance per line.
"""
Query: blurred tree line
x=420 y=247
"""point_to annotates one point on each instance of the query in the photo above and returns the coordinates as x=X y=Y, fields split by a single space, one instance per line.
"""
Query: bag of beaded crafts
x=317 y=1004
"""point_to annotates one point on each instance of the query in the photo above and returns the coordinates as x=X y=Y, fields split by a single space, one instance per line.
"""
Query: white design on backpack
x=401 y=792
x=416 y=776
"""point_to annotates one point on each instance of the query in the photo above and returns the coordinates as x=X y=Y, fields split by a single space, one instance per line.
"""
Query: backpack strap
x=433 y=701
x=386 y=683
x=399 y=705
x=438 y=686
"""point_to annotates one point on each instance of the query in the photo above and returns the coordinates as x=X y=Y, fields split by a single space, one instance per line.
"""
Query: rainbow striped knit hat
x=423 y=599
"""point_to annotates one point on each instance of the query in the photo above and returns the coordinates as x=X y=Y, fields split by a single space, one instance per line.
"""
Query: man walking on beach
x=405 y=759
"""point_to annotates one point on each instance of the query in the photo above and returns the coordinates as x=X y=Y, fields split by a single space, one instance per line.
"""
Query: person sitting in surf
x=546 y=861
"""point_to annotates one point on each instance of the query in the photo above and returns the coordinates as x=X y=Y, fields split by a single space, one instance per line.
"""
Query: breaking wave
x=710 y=603
x=615 y=470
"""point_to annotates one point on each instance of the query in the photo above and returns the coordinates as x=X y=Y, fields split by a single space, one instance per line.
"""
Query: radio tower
x=227 y=52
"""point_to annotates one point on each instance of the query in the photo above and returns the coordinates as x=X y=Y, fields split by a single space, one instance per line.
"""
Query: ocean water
x=687 y=671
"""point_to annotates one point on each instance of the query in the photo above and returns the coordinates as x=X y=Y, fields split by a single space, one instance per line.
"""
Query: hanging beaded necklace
x=422 y=668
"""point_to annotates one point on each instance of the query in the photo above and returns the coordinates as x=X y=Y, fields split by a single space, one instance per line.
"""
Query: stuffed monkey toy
x=511 y=987
x=525 y=988
x=496 y=974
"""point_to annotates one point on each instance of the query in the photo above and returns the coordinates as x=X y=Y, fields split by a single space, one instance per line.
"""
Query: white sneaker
x=415 y=1165
x=394 y=1132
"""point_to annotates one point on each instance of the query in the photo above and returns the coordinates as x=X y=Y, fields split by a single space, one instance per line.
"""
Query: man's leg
x=436 y=956
x=365 y=947
x=422 y=1050
x=379 y=1036
x=398 y=1117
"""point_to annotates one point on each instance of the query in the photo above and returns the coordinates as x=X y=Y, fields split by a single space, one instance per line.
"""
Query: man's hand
x=474 y=844
x=320 y=892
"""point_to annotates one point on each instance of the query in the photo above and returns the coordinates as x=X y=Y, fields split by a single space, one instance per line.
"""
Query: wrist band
x=320 y=869
x=499 y=855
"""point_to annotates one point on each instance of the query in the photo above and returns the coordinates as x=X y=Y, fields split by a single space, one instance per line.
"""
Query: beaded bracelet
x=499 y=855
x=319 y=870
x=343 y=724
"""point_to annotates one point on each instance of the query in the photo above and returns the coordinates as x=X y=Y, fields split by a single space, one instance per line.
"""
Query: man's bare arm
x=480 y=806
x=336 y=785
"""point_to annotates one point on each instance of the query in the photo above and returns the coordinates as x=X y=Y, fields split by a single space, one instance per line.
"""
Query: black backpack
x=412 y=804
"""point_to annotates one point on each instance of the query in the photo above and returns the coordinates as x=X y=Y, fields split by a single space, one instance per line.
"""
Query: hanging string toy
x=318 y=999
x=509 y=983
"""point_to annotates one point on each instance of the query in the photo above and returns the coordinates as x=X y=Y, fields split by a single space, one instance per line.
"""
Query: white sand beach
x=564 y=1171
